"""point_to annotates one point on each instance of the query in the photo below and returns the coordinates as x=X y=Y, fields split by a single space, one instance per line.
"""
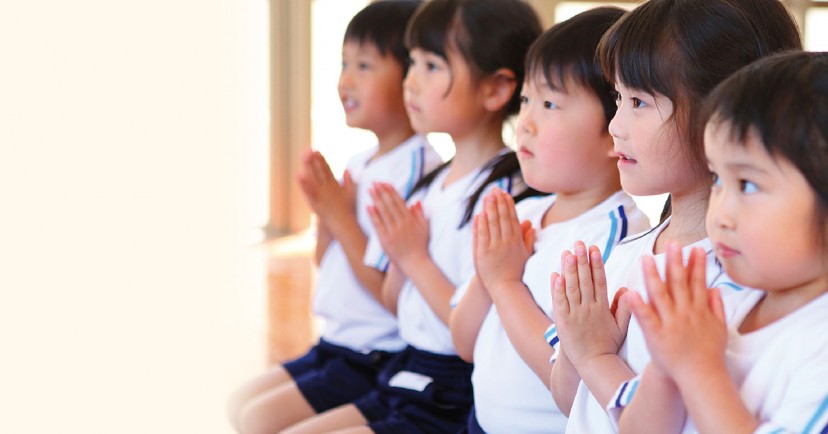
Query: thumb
x=347 y=181
x=716 y=304
x=623 y=310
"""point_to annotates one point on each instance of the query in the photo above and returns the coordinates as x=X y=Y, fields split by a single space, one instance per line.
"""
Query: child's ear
x=499 y=88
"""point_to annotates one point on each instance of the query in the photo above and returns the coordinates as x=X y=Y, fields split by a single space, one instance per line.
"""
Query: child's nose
x=525 y=121
x=617 y=126
x=410 y=82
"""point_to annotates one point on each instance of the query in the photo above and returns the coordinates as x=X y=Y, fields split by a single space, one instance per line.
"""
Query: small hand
x=403 y=231
x=588 y=325
x=328 y=199
x=502 y=244
x=684 y=322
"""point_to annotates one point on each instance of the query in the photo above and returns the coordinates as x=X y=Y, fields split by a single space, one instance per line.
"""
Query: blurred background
x=153 y=245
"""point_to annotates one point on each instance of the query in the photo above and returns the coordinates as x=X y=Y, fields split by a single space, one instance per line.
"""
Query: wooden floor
x=290 y=281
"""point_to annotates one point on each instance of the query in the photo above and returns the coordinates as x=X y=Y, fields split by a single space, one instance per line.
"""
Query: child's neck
x=688 y=209
x=569 y=205
x=392 y=137
x=780 y=303
x=474 y=149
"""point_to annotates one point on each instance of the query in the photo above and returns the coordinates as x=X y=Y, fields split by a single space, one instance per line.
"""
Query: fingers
x=697 y=281
x=560 y=303
x=716 y=304
x=508 y=221
x=388 y=202
x=584 y=272
x=622 y=310
x=645 y=314
x=528 y=235
x=656 y=288
x=676 y=275
x=598 y=274
x=569 y=268
x=482 y=238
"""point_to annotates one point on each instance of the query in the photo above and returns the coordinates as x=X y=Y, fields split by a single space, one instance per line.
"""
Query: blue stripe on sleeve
x=816 y=417
x=620 y=394
x=611 y=239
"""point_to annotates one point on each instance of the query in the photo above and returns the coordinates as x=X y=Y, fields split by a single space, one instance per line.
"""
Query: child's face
x=370 y=87
x=440 y=95
x=562 y=141
x=651 y=157
x=761 y=214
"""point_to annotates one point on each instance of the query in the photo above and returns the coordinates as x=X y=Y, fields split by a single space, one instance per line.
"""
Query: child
x=766 y=142
x=563 y=147
x=356 y=342
x=466 y=62
x=665 y=57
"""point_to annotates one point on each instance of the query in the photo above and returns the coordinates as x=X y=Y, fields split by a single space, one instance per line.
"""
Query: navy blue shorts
x=330 y=375
x=474 y=426
x=441 y=407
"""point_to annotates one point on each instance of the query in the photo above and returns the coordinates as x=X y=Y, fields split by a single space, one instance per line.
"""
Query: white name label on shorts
x=410 y=380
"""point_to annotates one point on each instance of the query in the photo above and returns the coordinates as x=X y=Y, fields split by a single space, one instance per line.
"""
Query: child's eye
x=549 y=105
x=431 y=66
x=747 y=187
x=364 y=66
x=714 y=178
x=637 y=103
x=524 y=100
x=411 y=62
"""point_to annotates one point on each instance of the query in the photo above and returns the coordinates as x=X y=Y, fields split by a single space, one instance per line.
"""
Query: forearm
x=467 y=318
x=391 y=286
x=656 y=407
x=354 y=242
x=525 y=324
x=563 y=382
x=603 y=375
x=714 y=404
x=323 y=240
x=433 y=285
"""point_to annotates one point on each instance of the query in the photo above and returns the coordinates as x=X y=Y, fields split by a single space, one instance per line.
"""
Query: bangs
x=636 y=51
x=430 y=28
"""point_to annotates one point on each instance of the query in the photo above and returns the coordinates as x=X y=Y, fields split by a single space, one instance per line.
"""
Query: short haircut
x=784 y=99
x=567 y=52
x=383 y=24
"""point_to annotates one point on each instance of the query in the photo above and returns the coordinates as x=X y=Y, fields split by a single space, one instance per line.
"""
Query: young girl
x=766 y=142
x=664 y=57
x=563 y=147
x=356 y=342
x=466 y=63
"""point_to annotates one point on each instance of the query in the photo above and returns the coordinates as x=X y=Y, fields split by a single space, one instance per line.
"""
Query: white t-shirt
x=450 y=248
x=353 y=317
x=509 y=397
x=782 y=368
x=624 y=270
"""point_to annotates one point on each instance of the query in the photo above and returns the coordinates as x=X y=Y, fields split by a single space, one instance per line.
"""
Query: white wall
x=129 y=302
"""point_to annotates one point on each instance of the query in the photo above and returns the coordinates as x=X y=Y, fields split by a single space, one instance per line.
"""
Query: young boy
x=359 y=335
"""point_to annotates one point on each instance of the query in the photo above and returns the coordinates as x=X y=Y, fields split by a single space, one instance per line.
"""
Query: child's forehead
x=365 y=47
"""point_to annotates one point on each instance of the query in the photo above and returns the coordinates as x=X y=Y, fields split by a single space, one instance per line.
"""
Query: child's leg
x=346 y=418
x=274 y=410
x=272 y=379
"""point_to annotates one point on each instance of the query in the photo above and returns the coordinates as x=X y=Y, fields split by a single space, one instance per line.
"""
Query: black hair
x=383 y=24
x=567 y=52
x=683 y=48
x=784 y=99
x=489 y=34
x=502 y=166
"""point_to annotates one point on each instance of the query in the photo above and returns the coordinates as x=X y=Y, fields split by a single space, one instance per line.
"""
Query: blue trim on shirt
x=620 y=394
x=731 y=285
x=818 y=415
x=623 y=223
x=611 y=239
